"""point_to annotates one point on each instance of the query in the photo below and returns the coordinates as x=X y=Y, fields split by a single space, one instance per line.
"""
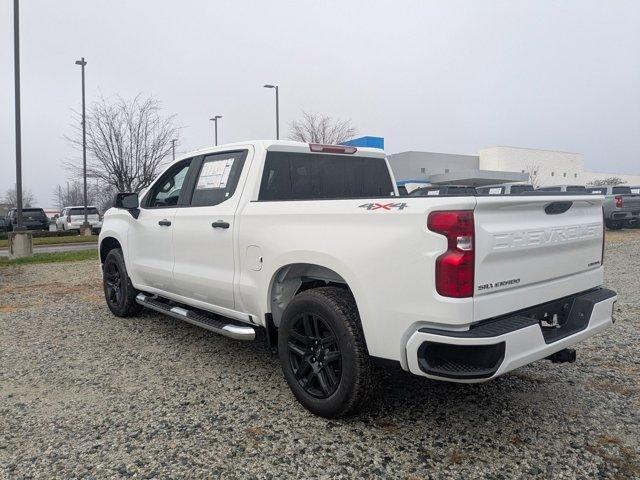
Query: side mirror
x=128 y=201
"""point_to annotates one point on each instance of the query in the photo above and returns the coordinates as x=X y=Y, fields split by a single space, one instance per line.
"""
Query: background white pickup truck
x=313 y=244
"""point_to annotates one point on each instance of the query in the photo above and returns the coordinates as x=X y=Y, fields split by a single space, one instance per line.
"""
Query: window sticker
x=433 y=193
x=215 y=174
x=495 y=191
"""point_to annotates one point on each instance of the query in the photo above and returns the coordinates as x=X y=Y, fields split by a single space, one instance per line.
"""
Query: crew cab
x=311 y=246
x=621 y=206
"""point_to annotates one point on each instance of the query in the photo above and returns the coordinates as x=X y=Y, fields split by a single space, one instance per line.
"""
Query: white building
x=498 y=165
x=545 y=167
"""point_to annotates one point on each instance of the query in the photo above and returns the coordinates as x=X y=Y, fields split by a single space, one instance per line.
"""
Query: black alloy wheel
x=119 y=292
x=314 y=355
x=113 y=283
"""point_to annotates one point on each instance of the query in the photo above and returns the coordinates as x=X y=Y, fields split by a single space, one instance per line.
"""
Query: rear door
x=150 y=236
x=203 y=233
x=529 y=240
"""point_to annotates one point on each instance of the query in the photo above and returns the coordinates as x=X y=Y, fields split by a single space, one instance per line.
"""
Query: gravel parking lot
x=86 y=394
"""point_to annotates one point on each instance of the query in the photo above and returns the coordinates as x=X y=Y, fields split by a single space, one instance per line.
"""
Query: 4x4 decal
x=383 y=206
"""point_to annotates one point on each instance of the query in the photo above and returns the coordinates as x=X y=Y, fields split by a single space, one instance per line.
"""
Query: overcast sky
x=439 y=76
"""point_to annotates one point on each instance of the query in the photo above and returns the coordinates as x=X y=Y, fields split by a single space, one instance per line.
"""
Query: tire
x=323 y=353
x=118 y=289
x=613 y=224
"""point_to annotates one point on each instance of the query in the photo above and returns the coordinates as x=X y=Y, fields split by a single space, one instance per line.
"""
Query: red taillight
x=618 y=201
x=317 y=147
x=454 y=268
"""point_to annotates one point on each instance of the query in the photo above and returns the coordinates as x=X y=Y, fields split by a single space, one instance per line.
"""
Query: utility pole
x=215 y=121
x=173 y=148
x=85 y=225
x=277 y=109
x=20 y=240
x=16 y=72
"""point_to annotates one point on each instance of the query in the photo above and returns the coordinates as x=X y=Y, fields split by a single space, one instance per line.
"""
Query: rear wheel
x=323 y=354
x=614 y=224
x=118 y=289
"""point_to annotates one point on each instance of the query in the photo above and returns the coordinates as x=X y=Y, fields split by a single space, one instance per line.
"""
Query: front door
x=151 y=235
x=204 y=263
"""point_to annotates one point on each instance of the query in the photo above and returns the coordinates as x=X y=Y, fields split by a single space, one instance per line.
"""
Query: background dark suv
x=32 y=219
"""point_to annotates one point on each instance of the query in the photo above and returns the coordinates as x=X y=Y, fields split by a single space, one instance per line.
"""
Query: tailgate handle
x=557 y=207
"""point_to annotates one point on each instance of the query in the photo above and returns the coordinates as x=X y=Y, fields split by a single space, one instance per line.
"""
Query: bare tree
x=11 y=197
x=315 y=128
x=127 y=142
x=533 y=171
x=598 y=182
x=71 y=194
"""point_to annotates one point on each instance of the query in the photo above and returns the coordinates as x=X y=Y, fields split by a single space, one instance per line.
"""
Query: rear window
x=597 y=191
x=576 y=188
x=80 y=211
x=621 y=190
x=442 y=191
x=551 y=189
x=33 y=212
x=521 y=188
x=304 y=176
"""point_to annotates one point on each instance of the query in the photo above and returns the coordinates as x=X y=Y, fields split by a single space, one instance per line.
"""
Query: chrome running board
x=216 y=324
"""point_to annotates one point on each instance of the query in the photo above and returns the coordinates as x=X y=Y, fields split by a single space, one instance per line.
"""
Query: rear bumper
x=494 y=347
x=625 y=214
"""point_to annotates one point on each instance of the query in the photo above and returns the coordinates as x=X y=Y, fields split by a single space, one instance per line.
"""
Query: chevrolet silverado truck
x=311 y=247
x=621 y=206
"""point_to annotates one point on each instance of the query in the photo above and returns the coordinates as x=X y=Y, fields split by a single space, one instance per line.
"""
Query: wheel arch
x=106 y=245
x=293 y=278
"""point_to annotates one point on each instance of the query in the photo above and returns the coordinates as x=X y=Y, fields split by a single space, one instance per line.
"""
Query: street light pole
x=173 y=148
x=277 y=109
x=16 y=71
x=85 y=225
x=215 y=121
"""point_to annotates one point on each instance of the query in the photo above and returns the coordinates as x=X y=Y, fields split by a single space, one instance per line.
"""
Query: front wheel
x=323 y=353
x=118 y=289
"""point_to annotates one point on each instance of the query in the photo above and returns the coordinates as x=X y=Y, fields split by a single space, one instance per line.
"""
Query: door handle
x=164 y=223
x=220 y=224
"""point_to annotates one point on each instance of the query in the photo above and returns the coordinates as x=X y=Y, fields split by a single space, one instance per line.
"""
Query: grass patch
x=56 y=240
x=54 y=257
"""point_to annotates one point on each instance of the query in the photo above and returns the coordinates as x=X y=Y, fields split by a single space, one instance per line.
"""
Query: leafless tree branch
x=127 y=142
x=315 y=128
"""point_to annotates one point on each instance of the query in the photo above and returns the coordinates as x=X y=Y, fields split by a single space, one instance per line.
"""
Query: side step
x=215 y=324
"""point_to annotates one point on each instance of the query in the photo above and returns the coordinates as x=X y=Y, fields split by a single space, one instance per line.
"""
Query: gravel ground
x=86 y=394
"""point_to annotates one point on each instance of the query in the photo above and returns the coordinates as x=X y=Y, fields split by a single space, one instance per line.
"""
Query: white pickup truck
x=312 y=245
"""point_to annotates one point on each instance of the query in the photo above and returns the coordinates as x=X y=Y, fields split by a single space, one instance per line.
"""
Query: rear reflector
x=317 y=147
x=455 y=267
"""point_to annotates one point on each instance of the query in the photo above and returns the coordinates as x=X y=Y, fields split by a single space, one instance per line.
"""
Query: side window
x=218 y=178
x=166 y=191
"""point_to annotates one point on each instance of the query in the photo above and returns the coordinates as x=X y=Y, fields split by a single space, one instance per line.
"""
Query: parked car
x=505 y=189
x=72 y=218
x=442 y=191
x=313 y=245
x=564 y=188
x=32 y=219
x=621 y=206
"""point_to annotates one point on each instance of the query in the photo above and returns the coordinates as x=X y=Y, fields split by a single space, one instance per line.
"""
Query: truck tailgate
x=532 y=247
